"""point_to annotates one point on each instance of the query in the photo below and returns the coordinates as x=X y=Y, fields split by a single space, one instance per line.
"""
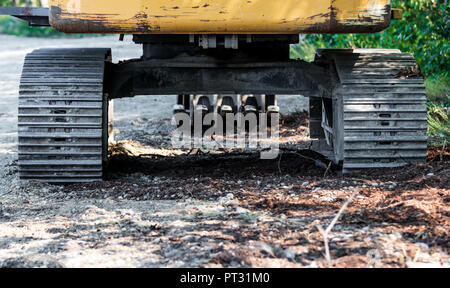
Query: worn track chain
x=384 y=109
x=63 y=116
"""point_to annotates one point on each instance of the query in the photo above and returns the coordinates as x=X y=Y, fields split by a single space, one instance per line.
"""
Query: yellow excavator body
x=220 y=16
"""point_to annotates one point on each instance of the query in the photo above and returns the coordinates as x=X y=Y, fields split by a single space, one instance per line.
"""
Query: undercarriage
x=367 y=106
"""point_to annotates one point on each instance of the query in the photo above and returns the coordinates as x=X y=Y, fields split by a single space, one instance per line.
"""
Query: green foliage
x=438 y=93
x=305 y=49
x=423 y=31
x=438 y=124
x=438 y=88
x=35 y=3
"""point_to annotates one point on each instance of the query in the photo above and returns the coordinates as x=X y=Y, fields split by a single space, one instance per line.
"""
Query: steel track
x=63 y=116
x=384 y=109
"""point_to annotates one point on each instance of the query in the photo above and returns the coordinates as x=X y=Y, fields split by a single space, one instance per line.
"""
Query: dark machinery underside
x=367 y=106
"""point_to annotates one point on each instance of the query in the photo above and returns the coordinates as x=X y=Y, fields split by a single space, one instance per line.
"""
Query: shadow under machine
x=367 y=108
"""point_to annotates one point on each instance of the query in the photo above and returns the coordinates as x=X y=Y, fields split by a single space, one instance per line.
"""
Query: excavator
x=367 y=106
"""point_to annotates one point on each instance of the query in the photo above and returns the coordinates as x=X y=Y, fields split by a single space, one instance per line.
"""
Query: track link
x=383 y=112
x=63 y=122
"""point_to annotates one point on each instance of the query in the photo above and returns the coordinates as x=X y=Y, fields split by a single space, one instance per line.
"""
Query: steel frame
x=34 y=16
x=197 y=75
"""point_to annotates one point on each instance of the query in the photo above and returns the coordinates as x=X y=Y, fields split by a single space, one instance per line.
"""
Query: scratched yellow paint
x=218 y=16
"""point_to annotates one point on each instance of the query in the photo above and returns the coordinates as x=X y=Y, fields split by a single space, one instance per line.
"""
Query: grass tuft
x=438 y=89
x=438 y=124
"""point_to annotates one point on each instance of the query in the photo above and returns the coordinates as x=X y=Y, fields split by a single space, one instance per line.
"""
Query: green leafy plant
x=438 y=88
x=35 y=3
x=438 y=124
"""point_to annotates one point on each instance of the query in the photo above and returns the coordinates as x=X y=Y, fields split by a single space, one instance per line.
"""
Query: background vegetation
x=35 y=3
x=423 y=31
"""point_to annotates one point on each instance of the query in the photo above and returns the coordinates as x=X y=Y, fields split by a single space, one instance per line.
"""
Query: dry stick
x=279 y=162
x=335 y=219
x=441 y=156
x=326 y=171
x=218 y=144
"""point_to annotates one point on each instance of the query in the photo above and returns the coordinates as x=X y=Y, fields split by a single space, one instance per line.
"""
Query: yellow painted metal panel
x=220 y=16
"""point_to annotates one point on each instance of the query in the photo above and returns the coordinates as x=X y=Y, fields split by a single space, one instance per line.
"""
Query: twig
x=326 y=171
x=325 y=242
x=333 y=222
x=393 y=205
x=441 y=156
x=279 y=162
x=213 y=137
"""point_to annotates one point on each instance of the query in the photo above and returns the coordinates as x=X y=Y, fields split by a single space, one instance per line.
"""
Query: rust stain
x=166 y=16
x=363 y=24
x=93 y=23
x=321 y=15
x=212 y=20
x=27 y=12
x=140 y=15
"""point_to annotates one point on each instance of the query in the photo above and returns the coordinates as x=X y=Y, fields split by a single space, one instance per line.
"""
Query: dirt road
x=209 y=210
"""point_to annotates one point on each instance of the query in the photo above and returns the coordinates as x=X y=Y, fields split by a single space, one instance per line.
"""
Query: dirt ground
x=161 y=207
